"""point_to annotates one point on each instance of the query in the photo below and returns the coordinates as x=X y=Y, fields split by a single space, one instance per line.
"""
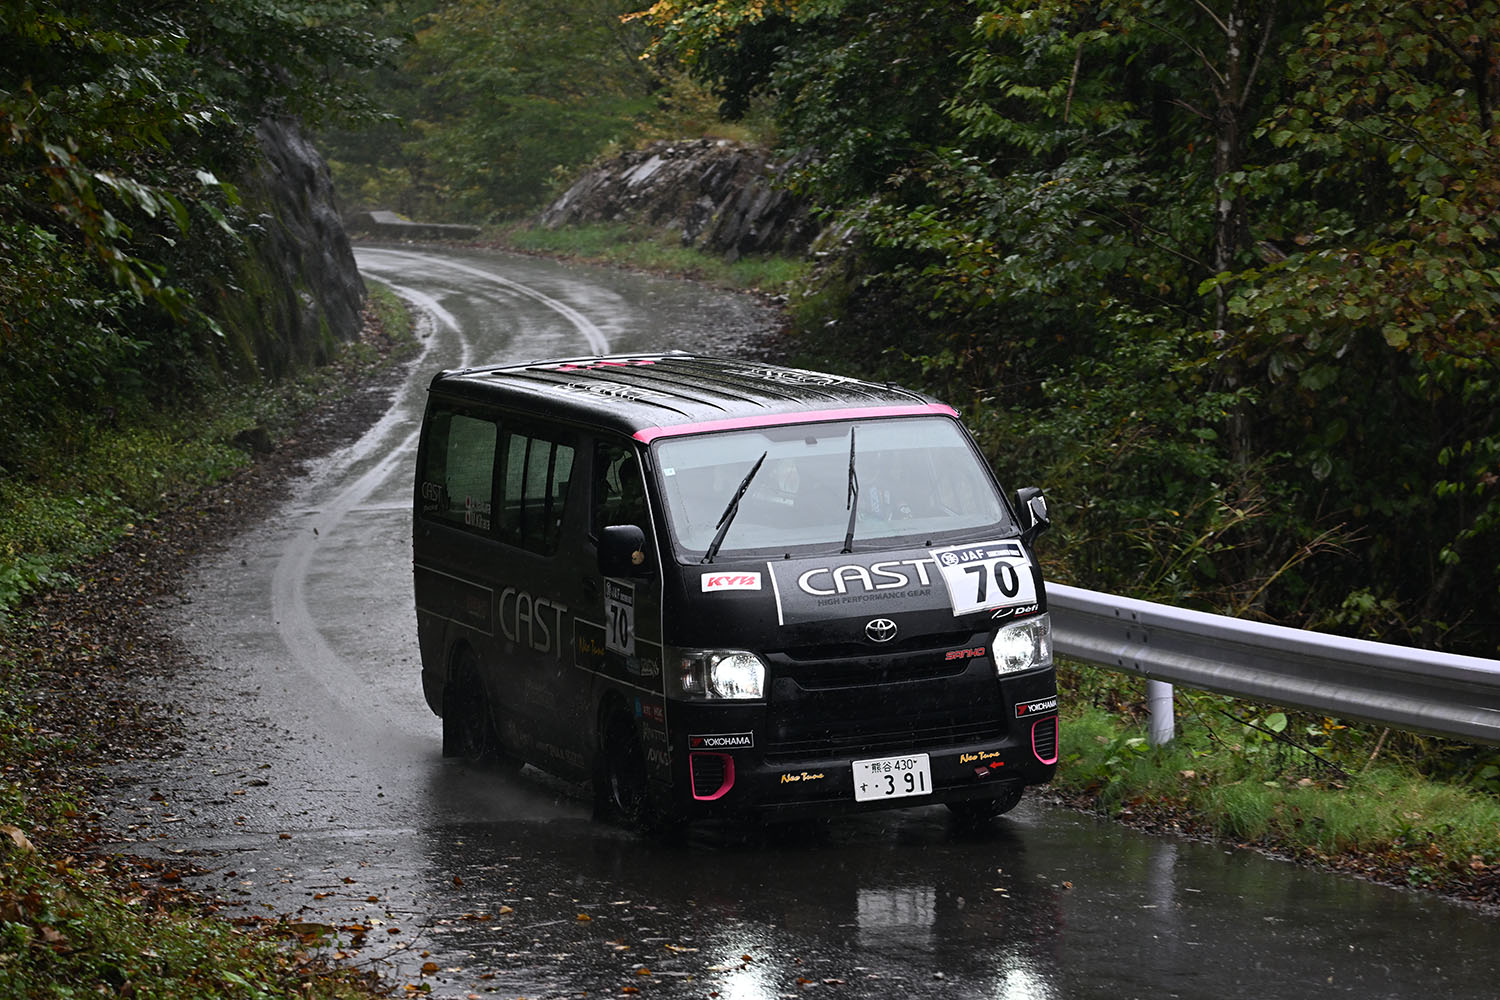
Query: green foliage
x=1299 y=784
x=1223 y=278
x=119 y=241
x=619 y=244
x=95 y=482
x=493 y=102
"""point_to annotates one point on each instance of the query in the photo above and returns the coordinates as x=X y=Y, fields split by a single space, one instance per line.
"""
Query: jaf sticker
x=987 y=575
x=619 y=616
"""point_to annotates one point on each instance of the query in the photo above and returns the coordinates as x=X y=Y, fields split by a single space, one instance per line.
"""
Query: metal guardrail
x=1424 y=690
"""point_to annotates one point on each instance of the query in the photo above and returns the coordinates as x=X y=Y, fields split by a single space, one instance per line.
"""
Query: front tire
x=620 y=776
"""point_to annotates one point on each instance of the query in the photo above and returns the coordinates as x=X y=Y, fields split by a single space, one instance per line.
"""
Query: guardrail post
x=1163 y=719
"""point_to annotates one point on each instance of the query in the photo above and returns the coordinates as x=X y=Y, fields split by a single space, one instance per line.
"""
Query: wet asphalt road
x=312 y=788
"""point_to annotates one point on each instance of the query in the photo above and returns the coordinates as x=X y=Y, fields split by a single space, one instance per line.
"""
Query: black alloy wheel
x=468 y=729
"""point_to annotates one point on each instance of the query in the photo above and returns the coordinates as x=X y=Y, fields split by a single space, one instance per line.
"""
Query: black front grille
x=862 y=737
x=881 y=705
x=1044 y=739
x=708 y=773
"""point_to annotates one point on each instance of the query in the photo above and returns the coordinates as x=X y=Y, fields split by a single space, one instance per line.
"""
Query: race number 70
x=980 y=577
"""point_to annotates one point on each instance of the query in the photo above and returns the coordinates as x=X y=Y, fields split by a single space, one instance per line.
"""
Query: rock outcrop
x=302 y=293
x=717 y=195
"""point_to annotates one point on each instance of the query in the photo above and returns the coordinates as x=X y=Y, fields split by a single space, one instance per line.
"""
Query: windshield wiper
x=727 y=518
x=853 y=499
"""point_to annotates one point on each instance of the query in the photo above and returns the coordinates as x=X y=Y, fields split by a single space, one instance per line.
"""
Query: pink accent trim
x=1056 y=739
x=579 y=366
x=786 y=419
x=728 y=775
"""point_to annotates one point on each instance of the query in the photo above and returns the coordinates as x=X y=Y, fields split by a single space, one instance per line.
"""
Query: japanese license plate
x=892 y=777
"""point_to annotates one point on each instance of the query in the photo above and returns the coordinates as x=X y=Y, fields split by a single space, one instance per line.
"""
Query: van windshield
x=914 y=479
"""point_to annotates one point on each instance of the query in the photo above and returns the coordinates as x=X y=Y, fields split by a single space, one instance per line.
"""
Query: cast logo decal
x=713 y=582
x=722 y=741
x=820 y=589
x=1026 y=709
x=854 y=578
x=530 y=621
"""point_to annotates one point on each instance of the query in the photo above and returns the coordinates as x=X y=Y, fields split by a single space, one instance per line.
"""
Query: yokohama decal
x=1026 y=709
x=722 y=741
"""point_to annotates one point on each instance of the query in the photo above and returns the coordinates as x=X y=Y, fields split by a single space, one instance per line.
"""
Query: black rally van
x=719 y=588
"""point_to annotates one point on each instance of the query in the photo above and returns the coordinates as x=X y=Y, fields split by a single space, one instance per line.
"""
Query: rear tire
x=468 y=727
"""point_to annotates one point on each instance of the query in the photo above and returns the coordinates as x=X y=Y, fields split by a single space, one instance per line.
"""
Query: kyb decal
x=1029 y=708
x=722 y=741
x=714 y=582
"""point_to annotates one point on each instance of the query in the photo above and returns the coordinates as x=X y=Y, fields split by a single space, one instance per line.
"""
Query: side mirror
x=1031 y=507
x=622 y=551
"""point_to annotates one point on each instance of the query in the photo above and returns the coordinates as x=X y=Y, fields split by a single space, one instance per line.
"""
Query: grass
x=74 y=921
x=89 y=486
x=1316 y=788
x=623 y=245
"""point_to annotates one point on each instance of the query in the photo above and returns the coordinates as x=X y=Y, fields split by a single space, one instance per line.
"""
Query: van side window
x=458 y=478
x=534 y=491
x=619 y=490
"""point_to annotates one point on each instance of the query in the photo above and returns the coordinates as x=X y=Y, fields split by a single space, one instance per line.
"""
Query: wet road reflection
x=310 y=787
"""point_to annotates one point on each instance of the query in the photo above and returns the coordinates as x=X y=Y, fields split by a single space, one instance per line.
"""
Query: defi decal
x=1025 y=709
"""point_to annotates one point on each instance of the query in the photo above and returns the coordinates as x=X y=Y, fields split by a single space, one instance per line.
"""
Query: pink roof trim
x=784 y=419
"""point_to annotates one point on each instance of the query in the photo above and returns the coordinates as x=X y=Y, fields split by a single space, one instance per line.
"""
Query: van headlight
x=719 y=673
x=1023 y=645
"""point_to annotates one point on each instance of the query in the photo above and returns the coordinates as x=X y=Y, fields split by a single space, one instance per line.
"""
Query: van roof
x=655 y=395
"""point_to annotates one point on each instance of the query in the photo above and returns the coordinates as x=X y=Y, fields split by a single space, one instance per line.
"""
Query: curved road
x=311 y=786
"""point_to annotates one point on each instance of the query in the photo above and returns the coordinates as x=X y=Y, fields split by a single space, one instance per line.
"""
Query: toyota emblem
x=880 y=629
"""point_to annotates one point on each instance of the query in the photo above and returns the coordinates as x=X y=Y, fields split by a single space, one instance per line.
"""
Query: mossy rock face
x=301 y=294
